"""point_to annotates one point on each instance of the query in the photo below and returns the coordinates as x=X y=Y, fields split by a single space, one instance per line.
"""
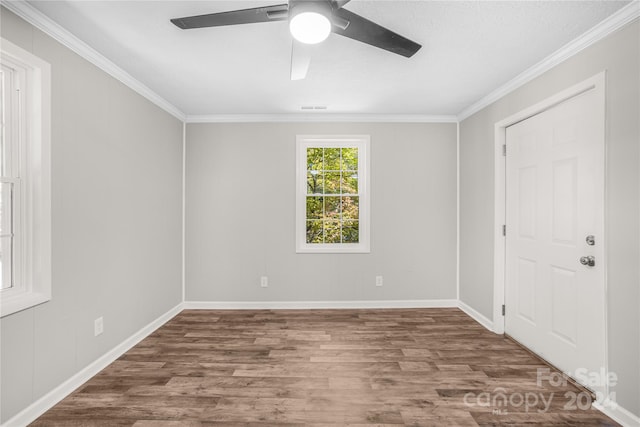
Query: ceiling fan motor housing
x=322 y=7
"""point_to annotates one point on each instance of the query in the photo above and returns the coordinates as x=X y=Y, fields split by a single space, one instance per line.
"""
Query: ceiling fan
x=310 y=22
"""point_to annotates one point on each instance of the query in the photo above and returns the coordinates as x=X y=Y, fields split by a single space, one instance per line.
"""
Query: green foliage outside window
x=332 y=195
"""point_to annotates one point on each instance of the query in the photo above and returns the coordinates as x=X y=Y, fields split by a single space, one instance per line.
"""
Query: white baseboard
x=293 y=305
x=475 y=315
x=32 y=412
x=618 y=413
x=39 y=407
x=610 y=409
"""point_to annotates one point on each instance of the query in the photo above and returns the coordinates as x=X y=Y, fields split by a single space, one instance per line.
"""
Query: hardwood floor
x=415 y=367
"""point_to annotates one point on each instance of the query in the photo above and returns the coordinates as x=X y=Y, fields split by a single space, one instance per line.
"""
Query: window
x=10 y=181
x=25 y=201
x=332 y=197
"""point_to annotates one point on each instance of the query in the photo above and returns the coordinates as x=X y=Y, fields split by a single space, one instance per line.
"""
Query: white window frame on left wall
x=32 y=139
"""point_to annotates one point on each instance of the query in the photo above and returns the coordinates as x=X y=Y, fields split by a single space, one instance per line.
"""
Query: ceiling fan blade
x=300 y=60
x=368 y=32
x=278 y=12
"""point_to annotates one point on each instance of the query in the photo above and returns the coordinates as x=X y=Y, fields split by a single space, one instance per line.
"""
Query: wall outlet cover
x=98 y=326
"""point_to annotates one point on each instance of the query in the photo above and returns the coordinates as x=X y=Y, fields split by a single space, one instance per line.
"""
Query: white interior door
x=554 y=304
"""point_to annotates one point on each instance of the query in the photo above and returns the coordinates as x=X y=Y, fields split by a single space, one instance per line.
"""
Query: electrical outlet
x=98 y=326
x=378 y=280
x=264 y=281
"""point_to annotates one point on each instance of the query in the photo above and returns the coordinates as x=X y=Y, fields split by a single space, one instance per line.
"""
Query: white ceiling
x=470 y=48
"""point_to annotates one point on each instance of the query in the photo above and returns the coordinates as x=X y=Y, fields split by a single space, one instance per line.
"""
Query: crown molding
x=45 y=24
x=613 y=23
x=320 y=118
x=57 y=32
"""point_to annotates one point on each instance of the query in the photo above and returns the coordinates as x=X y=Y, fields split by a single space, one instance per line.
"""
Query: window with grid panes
x=332 y=196
x=25 y=179
x=10 y=181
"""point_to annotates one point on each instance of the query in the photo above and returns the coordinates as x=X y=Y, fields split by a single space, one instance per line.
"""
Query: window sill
x=22 y=301
x=333 y=249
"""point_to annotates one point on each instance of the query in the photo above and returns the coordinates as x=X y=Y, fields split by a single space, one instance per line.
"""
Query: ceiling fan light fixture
x=310 y=27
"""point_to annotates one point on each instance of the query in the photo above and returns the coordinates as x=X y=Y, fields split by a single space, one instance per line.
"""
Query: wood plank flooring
x=412 y=367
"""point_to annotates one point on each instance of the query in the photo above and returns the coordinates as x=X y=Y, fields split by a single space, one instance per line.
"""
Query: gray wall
x=117 y=217
x=619 y=55
x=240 y=202
x=116 y=207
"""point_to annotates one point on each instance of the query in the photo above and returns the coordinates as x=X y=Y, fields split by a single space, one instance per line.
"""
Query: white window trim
x=363 y=142
x=35 y=145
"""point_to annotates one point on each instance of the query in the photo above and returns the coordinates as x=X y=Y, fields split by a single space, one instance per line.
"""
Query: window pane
x=314 y=232
x=6 y=236
x=4 y=117
x=350 y=232
x=332 y=233
x=6 y=249
x=315 y=182
x=332 y=183
x=350 y=159
x=5 y=208
x=350 y=182
x=314 y=207
x=332 y=159
x=332 y=208
x=314 y=159
x=350 y=207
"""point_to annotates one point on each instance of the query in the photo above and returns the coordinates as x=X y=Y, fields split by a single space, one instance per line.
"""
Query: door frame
x=596 y=83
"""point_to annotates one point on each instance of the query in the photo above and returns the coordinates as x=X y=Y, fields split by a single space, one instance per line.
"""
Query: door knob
x=588 y=260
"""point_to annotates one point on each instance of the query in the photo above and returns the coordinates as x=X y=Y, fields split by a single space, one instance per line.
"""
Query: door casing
x=596 y=83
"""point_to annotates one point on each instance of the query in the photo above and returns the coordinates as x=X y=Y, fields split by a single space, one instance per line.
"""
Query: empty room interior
x=320 y=212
